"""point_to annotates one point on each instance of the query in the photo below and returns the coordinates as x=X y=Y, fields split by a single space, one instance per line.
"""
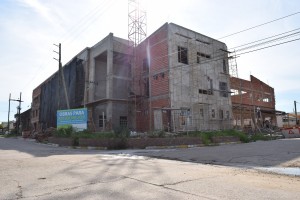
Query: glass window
x=123 y=121
x=102 y=121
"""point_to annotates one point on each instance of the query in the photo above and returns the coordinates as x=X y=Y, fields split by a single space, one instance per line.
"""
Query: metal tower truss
x=137 y=23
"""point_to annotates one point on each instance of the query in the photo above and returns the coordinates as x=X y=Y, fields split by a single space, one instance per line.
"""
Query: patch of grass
x=207 y=136
x=260 y=137
x=10 y=135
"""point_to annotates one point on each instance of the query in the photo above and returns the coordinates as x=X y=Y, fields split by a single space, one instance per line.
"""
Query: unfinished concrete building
x=108 y=84
x=97 y=78
x=181 y=82
x=175 y=80
x=253 y=103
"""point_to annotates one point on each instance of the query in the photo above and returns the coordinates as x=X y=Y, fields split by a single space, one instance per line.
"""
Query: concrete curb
x=148 y=147
x=175 y=146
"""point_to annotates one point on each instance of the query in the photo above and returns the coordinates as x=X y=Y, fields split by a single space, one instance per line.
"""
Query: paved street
x=276 y=153
x=29 y=170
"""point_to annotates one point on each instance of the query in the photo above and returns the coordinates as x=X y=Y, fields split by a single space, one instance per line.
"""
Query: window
x=266 y=100
x=227 y=115
x=102 y=121
x=146 y=65
x=234 y=92
x=213 y=114
x=146 y=87
x=201 y=112
x=202 y=55
x=208 y=92
x=221 y=114
x=182 y=55
x=123 y=121
x=224 y=66
x=223 y=89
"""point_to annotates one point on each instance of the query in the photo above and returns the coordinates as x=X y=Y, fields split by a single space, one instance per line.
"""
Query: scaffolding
x=233 y=70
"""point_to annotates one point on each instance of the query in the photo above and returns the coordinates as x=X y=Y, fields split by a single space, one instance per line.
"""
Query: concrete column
x=91 y=77
x=109 y=68
x=109 y=80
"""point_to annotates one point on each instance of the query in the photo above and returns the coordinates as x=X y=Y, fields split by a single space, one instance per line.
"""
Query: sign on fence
x=77 y=118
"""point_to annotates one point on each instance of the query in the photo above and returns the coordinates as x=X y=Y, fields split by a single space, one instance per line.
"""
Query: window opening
x=223 y=89
x=182 y=55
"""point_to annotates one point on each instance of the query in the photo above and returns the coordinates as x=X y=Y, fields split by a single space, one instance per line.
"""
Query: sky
x=29 y=28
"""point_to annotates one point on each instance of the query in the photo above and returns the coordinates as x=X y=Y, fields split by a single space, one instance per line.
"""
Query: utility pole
x=8 y=112
x=295 y=104
x=18 y=112
x=61 y=76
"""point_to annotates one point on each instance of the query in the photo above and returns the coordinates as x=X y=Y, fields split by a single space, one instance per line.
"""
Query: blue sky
x=30 y=27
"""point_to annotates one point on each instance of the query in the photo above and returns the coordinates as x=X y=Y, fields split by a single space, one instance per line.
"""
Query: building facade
x=253 y=103
x=175 y=80
x=181 y=82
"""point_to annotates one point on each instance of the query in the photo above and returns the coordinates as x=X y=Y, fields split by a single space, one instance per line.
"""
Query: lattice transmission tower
x=137 y=22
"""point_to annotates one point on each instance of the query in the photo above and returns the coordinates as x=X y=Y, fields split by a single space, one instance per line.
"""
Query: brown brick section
x=158 y=76
x=249 y=96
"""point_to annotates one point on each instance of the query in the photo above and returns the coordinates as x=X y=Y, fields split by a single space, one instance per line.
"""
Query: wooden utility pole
x=61 y=76
x=8 y=112
x=295 y=104
x=18 y=112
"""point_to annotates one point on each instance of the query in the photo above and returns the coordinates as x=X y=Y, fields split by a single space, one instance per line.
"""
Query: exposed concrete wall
x=96 y=51
x=204 y=70
x=100 y=79
x=110 y=71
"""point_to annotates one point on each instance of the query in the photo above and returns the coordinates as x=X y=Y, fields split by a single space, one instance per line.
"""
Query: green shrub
x=256 y=137
x=122 y=132
x=64 y=132
x=157 y=134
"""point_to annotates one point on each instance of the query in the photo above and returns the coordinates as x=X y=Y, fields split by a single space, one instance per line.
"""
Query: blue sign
x=77 y=118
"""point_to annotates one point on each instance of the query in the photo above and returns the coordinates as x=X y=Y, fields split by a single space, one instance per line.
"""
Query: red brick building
x=253 y=102
x=181 y=82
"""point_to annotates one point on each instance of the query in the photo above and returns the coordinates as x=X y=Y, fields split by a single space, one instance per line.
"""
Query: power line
x=253 y=27
x=264 y=39
x=270 y=41
x=269 y=46
x=73 y=28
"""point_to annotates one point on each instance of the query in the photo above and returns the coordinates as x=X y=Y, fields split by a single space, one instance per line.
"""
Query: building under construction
x=175 y=80
x=253 y=103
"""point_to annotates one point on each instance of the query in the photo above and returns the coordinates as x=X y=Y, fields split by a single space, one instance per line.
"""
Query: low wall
x=138 y=143
x=291 y=132
x=61 y=141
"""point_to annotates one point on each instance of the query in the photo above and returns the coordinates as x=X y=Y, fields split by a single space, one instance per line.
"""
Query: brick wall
x=253 y=92
x=155 y=49
x=248 y=96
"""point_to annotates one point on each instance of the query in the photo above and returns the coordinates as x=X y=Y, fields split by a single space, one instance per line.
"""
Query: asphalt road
x=276 y=153
x=29 y=170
